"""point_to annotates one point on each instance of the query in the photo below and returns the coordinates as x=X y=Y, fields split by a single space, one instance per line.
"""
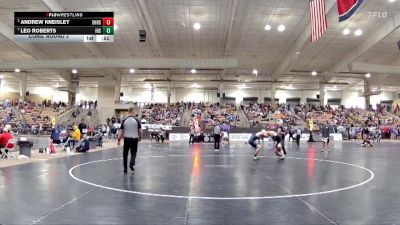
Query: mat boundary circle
x=372 y=175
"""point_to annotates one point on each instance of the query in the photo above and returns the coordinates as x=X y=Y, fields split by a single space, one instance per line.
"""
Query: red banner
x=347 y=8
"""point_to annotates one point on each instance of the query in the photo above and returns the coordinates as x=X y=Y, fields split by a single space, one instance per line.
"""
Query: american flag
x=318 y=19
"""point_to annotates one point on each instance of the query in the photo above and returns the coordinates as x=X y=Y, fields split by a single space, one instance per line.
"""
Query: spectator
x=5 y=137
x=290 y=131
x=161 y=135
x=65 y=136
x=40 y=129
x=82 y=126
x=75 y=137
x=326 y=131
x=298 y=135
x=55 y=135
x=114 y=132
x=108 y=132
x=191 y=132
x=84 y=145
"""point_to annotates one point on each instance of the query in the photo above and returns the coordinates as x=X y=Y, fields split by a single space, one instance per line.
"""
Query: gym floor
x=178 y=183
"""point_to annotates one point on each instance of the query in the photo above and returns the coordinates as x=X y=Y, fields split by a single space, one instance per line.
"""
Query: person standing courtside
x=217 y=136
x=131 y=131
x=298 y=135
x=191 y=133
x=326 y=132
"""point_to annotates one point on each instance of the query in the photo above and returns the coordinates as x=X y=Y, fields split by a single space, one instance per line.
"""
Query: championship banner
x=240 y=137
x=155 y=127
x=179 y=137
x=347 y=8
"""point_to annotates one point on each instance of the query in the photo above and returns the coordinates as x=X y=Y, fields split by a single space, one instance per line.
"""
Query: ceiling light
x=255 y=72
x=196 y=26
x=358 y=32
x=314 y=73
x=1 y=76
x=392 y=0
x=147 y=85
x=281 y=28
x=334 y=87
x=290 y=85
x=193 y=70
x=267 y=27
x=242 y=86
x=368 y=75
x=17 y=70
x=194 y=85
x=346 y=31
x=132 y=70
x=74 y=71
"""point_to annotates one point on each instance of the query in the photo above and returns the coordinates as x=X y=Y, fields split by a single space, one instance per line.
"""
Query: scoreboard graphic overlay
x=64 y=26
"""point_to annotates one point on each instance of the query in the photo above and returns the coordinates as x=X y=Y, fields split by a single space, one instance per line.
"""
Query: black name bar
x=48 y=15
x=24 y=22
x=58 y=30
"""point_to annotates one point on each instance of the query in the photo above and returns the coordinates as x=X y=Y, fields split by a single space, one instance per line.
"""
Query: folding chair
x=11 y=150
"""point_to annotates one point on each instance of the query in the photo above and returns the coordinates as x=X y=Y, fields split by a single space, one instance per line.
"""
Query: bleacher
x=161 y=114
x=39 y=118
x=263 y=115
x=8 y=116
x=208 y=114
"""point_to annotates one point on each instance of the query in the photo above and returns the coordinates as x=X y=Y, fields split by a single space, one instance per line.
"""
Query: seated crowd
x=7 y=114
x=40 y=117
x=209 y=114
x=262 y=115
x=160 y=114
x=75 y=136
x=350 y=122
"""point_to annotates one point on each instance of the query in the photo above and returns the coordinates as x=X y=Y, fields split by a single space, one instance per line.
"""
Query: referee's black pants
x=130 y=144
x=217 y=140
x=191 y=138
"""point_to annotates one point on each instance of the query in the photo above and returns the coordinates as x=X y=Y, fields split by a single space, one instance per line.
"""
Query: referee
x=217 y=136
x=131 y=131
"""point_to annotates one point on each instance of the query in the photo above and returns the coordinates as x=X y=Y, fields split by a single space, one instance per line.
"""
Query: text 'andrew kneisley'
x=40 y=22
